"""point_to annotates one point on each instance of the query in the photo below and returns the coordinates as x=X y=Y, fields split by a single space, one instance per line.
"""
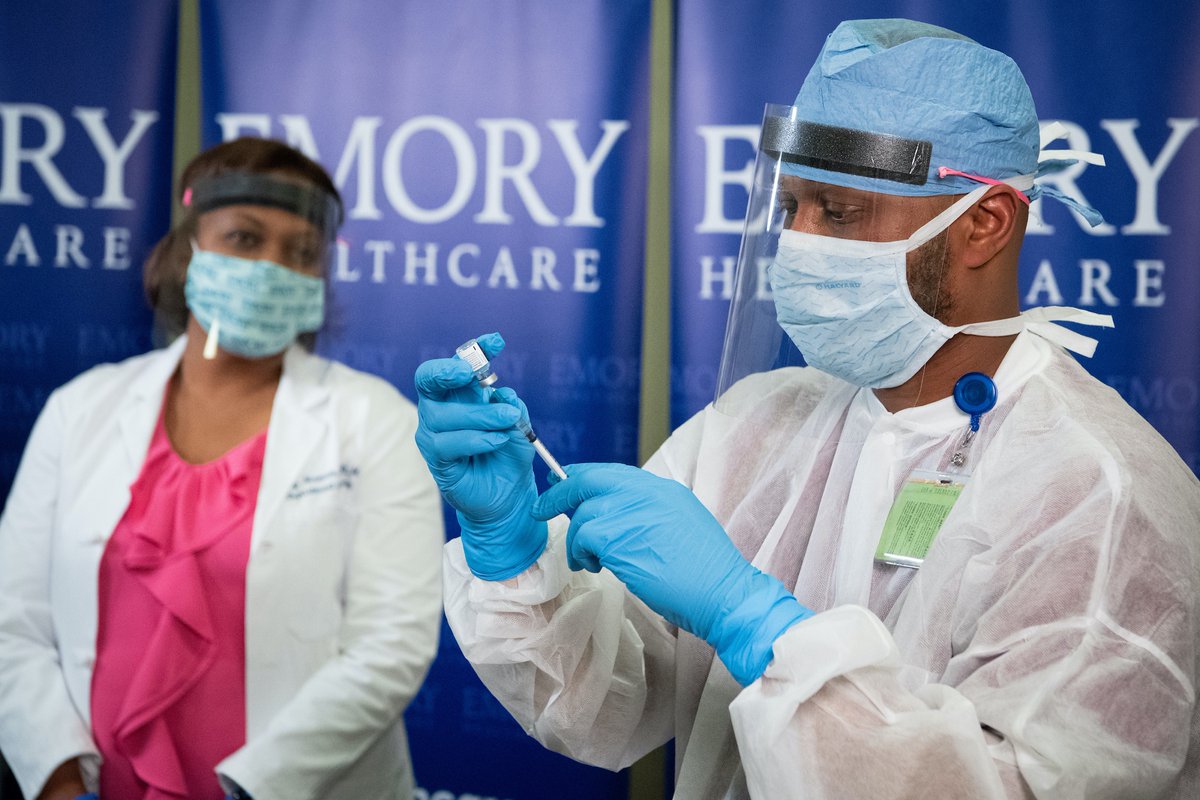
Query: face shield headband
x=884 y=157
x=851 y=152
x=306 y=201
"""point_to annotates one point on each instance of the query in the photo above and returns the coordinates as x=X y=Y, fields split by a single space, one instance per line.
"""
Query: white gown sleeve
x=582 y=665
x=837 y=714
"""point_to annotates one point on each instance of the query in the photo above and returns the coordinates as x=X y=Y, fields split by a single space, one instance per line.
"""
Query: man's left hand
x=669 y=550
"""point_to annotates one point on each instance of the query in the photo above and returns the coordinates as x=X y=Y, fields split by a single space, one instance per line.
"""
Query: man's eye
x=788 y=204
x=839 y=214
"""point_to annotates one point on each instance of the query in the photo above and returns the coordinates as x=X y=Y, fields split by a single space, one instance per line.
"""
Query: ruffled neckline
x=170 y=524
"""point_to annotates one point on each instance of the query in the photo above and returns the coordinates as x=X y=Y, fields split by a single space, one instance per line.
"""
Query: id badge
x=917 y=515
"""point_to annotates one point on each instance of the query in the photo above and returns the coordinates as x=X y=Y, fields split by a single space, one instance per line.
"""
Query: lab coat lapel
x=297 y=428
x=108 y=498
x=139 y=416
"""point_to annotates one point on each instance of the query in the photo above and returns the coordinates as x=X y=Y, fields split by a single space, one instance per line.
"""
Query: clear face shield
x=810 y=232
x=303 y=240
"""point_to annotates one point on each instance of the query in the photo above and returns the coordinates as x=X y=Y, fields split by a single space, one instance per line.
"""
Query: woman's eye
x=242 y=238
x=305 y=255
x=307 y=258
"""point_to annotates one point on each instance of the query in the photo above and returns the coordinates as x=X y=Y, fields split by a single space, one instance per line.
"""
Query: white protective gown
x=1047 y=648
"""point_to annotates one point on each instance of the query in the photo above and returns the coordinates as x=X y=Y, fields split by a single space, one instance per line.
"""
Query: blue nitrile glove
x=88 y=796
x=481 y=463
x=661 y=541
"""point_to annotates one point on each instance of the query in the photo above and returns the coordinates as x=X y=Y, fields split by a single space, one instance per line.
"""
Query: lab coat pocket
x=314 y=638
x=317 y=543
x=319 y=621
x=317 y=536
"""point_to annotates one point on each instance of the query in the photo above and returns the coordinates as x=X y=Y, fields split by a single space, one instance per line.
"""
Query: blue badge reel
x=975 y=394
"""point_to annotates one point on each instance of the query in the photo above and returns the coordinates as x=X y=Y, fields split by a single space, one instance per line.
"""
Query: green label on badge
x=916 y=517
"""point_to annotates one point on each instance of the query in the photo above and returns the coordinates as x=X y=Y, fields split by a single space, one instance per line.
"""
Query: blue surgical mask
x=847 y=306
x=251 y=308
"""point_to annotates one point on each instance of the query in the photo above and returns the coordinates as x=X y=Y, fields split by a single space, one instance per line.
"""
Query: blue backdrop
x=87 y=98
x=1123 y=75
x=493 y=162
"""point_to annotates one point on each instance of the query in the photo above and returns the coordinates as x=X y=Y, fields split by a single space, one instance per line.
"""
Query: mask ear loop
x=923 y=235
x=936 y=301
x=214 y=330
x=937 y=297
x=1016 y=184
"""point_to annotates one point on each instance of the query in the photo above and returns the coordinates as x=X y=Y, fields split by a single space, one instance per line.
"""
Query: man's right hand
x=481 y=463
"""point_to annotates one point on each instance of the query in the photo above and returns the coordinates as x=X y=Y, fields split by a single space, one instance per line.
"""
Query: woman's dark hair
x=166 y=267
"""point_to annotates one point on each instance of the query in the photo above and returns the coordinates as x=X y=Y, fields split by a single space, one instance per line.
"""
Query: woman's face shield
x=798 y=185
x=256 y=216
x=261 y=216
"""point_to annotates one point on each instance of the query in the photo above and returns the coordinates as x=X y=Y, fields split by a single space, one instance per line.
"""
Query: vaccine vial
x=470 y=352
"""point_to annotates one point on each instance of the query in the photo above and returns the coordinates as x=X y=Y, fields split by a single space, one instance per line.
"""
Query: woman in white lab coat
x=220 y=562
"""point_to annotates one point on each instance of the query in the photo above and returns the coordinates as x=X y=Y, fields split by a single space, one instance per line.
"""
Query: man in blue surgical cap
x=940 y=561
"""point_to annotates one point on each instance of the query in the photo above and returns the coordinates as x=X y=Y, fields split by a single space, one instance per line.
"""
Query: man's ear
x=989 y=226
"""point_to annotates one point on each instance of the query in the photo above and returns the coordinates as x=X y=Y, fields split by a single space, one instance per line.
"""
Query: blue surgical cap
x=921 y=82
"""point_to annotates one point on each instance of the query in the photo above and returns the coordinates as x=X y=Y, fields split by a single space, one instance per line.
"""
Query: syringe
x=524 y=427
x=477 y=360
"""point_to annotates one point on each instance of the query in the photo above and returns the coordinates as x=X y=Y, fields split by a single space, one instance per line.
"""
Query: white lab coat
x=342 y=585
x=1047 y=647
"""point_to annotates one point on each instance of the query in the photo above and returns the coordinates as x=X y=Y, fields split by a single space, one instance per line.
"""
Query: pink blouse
x=168 y=691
